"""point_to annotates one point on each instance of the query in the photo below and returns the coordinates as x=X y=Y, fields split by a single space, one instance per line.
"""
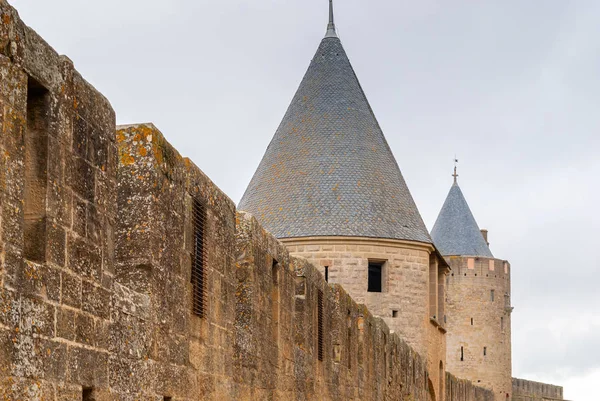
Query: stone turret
x=330 y=188
x=478 y=311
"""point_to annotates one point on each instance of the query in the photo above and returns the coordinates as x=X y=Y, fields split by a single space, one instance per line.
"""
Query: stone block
x=53 y=357
x=12 y=216
x=103 y=329
x=79 y=216
x=106 y=195
x=68 y=392
x=95 y=224
x=128 y=374
x=85 y=258
x=13 y=85
x=9 y=308
x=94 y=108
x=85 y=330
x=58 y=194
x=65 y=324
x=82 y=178
x=56 y=244
x=71 y=290
x=87 y=367
x=96 y=300
x=37 y=317
x=82 y=134
x=50 y=283
x=19 y=388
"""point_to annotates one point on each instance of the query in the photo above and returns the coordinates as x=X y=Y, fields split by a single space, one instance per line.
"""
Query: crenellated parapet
x=527 y=390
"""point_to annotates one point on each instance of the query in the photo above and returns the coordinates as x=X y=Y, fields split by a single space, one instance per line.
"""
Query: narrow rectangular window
x=502 y=323
x=492 y=294
x=36 y=172
x=320 y=325
x=199 y=259
x=462 y=354
x=275 y=299
x=167 y=398
x=87 y=394
x=484 y=351
x=349 y=349
x=349 y=325
x=327 y=273
x=472 y=321
x=385 y=366
x=375 y=277
x=394 y=313
x=441 y=296
x=434 y=301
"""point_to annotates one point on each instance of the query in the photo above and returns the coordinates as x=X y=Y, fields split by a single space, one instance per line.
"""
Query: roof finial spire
x=331 y=27
x=455 y=175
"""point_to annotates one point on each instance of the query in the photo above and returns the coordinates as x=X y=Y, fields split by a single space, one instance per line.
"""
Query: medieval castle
x=126 y=274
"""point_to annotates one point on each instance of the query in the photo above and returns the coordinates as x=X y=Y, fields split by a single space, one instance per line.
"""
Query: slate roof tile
x=455 y=231
x=328 y=170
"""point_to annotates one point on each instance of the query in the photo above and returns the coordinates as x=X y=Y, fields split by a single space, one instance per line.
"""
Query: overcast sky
x=511 y=87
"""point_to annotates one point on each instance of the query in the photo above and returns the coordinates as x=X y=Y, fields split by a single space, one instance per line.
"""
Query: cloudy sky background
x=511 y=87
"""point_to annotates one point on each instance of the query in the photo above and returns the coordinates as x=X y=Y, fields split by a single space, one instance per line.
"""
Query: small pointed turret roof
x=455 y=231
x=328 y=170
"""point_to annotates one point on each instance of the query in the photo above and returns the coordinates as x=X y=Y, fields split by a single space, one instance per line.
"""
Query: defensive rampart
x=126 y=274
x=526 y=390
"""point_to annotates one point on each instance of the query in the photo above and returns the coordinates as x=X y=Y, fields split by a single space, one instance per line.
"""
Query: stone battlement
x=526 y=390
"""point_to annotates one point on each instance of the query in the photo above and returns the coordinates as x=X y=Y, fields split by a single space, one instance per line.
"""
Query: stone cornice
x=422 y=246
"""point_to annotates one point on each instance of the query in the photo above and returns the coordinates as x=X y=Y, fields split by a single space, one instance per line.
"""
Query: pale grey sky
x=511 y=87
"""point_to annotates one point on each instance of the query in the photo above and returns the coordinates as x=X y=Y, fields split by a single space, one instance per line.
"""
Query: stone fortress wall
x=127 y=275
x=98 y=240
x=525 y=390
x=478 y=319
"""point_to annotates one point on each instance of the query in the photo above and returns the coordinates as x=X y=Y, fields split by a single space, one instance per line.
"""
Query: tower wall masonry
x=406 y=292
x=478 y=319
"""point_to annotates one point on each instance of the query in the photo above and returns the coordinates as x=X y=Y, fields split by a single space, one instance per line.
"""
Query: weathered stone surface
x=105 y=307
x=525 y=390
x=476 y=321
x=464 y=390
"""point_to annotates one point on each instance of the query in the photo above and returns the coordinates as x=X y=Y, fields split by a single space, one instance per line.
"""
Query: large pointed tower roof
x=455 y=231
x=328 y=170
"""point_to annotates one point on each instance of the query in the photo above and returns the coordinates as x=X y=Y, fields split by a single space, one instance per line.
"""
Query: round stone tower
x=478 y=308
x=330 y=188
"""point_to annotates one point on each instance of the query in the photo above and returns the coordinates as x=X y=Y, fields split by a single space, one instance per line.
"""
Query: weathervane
x=455 y=175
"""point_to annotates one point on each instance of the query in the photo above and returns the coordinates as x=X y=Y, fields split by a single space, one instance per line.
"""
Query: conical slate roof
x=328 y=170
x=455 y=231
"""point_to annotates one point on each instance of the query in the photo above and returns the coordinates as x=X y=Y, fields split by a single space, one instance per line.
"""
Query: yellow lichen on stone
x=126 y=158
